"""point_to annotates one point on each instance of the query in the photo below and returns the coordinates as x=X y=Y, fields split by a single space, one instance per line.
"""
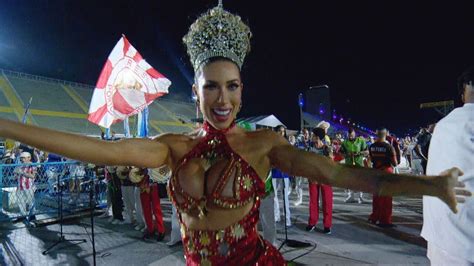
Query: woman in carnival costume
x=219 y=170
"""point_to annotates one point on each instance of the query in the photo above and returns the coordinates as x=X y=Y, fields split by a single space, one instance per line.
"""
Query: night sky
x=381 y=59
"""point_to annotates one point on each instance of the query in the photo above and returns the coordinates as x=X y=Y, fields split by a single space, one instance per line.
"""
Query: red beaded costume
x=239 y=243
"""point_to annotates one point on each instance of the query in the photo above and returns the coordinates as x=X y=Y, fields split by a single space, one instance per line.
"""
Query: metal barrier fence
x=28 y=190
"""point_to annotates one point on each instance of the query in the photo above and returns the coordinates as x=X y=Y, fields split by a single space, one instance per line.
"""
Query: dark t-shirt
x=382 y=155
x=424 y=142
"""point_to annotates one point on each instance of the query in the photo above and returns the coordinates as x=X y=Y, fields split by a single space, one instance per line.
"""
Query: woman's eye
x=233 y=86
x=210 y=86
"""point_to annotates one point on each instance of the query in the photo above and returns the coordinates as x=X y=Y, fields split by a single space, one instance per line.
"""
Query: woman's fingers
x=462 y=192
x=460 y=184
x=460 y=199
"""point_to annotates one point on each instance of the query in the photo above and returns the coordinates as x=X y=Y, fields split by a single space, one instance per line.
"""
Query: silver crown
x=218 y=33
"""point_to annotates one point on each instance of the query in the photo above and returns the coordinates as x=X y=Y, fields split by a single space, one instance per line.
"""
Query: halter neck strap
x=211 y=130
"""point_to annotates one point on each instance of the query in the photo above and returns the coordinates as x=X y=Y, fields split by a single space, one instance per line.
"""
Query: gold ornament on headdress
x=218 y=33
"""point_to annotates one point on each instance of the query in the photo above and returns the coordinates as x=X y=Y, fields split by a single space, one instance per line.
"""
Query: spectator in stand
x=25 y=174
x=450 y=236
x=319 y=147
x=383 y=157
x=423 y=144
x=354 y=150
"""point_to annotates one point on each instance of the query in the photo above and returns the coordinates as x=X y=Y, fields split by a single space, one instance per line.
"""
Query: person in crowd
x=218 y=210
x=319 y=147
x=450 y=236
x=303 y=143
x=392 y=140
x=114 y=191
x=354 y=150
x=383 y=157
x=325 y=125
x=279 y=180
x=150 y=201
x=25 y=175
x=128 y=197
x=139 y=216
x=416 y=166
x=423 y=144
x=109 y=171
x=336 y=147
x=267 y=216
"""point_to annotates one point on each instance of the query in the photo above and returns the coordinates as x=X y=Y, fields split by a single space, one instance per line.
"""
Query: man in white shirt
x=450 y=235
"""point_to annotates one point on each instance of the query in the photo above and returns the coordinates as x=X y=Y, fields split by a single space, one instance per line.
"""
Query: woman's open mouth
x=221 y=114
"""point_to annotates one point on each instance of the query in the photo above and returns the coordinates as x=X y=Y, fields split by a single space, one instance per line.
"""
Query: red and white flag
x=126 y=85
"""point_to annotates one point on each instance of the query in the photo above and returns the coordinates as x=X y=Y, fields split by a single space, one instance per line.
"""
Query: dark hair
x=277 y=129
x=351 y=129
x=466 y=77
x=208 y=61
x=382 y=129
x=319 y=132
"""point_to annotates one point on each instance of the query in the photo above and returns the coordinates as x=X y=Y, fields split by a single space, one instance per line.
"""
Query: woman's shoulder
x=174 y=140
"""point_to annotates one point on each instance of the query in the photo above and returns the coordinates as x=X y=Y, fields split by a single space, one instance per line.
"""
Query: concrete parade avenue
x=353 y=240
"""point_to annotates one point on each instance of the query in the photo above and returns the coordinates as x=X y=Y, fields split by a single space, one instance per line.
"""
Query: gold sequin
x=247 y=183
x=238 y=232
x=220 y=235
x=190 y=246
x=204 y=239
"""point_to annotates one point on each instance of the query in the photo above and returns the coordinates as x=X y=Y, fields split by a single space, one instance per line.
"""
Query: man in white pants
x=139 y=211
x=175 y=236
x=450 y=236
x=128 y=193
x=282 y=179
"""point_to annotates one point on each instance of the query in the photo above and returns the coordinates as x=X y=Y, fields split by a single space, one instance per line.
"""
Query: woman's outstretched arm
x=321 y=169
x=127 y=152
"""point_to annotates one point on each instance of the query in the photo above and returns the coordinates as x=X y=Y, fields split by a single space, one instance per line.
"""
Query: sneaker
x=310 y=228
x=386 y=225
x=173 y=242
x=298 y=202
x=160 y=237
x=327 y=230
x=147 y=236
x=349 y=199
x=104 y=215
x=138 y=227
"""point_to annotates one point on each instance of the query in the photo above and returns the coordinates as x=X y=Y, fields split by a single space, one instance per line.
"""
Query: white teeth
x=220 y=112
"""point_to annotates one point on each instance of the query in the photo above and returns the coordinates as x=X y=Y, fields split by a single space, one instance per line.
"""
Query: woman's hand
x=451 y=190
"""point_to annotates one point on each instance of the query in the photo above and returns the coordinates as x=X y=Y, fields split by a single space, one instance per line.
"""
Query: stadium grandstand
x=64 y=105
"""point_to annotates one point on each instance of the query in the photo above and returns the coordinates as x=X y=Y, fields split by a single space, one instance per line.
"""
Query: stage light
x=300 y=100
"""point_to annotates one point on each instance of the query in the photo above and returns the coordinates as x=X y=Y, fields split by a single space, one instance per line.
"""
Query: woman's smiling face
x=219 y=92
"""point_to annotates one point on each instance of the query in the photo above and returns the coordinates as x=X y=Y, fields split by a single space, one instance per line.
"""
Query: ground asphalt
x=353 y=240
